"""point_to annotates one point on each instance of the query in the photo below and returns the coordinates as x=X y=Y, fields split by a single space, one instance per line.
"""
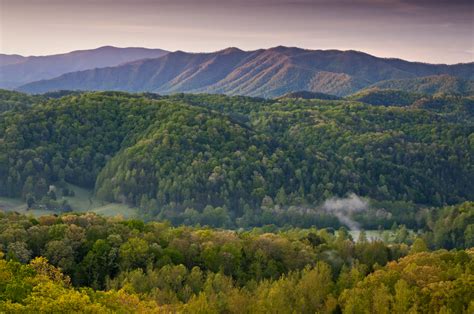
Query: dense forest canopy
x=90 y=263
x=228 y=161
x=187 y=161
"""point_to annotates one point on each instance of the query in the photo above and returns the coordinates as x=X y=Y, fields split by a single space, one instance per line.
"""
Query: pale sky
x=417 y=30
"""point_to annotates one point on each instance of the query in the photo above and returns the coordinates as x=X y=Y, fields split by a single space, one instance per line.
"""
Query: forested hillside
x=129 y=266
x=436 y=84
x=10 y=100
x=224 y=161
x=386 y=97
x=309 y=95
x=238 y=162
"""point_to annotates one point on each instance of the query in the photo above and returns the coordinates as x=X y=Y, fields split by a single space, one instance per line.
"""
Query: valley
x=237 y=156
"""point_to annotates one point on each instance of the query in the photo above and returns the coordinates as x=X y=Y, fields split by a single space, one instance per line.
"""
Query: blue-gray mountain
x=265 y=73
x=17 y=70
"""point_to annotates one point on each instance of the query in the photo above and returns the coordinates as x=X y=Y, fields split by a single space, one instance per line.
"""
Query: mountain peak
x=265 y=73
x=230 y=50
x=284 y=48
x=106 y=48
x=279 y=48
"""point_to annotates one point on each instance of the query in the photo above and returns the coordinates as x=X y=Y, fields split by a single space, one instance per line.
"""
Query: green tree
x=134 y=254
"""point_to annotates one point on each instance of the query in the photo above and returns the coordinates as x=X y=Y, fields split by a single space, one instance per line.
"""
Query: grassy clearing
x=112 y=209
x=13 y=204
x=82 y=201
x=85 y=201
x=18 y=205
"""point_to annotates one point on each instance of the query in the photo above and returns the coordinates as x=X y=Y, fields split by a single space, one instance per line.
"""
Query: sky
x=435 y=31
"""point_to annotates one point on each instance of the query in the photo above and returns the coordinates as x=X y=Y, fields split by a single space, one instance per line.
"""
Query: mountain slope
x=10 y=59
x=445 y=84
x=267 y=73
x=385 y=97
x=17 y=70
x=183 y=152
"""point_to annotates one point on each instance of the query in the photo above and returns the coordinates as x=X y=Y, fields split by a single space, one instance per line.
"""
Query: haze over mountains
x=265 y=73
x=16 y=70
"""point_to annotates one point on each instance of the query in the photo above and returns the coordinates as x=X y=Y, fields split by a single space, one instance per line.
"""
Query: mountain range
x=16 y=70
x=264 y=73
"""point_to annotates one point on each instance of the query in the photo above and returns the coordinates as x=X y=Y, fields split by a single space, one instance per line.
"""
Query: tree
x=382 y=300
x=134 y=254
x=30 y=200
x=469 y=236
x=100 y=263
x=19 y=251
x=362 y=237
x=403 y=297
x=418 y=246
x=60 y=254
x=281 y=198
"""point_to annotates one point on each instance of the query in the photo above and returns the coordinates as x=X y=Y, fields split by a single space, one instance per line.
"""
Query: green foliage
x=115 y=267
x=455 y=107
x=385 y=97
x=235 y=161
x=309 y=95
x=452 y=227
x=431 y=85
x=439 y=282
x=10 y=100
x=41 y=288
x=93 y=250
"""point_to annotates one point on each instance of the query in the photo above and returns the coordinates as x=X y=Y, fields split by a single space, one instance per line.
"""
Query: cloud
x=343 y=208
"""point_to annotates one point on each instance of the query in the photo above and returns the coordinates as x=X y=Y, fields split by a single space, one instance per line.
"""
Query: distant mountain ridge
x=265 y=73
x=16 y=70
x=10 y=59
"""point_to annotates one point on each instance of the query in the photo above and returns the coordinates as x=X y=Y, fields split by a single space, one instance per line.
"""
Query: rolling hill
x=435 y=84
x=309 y=95
x=183 y=155
x=14 y=100
x=264 y=73
x=385 y=97
x=17 y=70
